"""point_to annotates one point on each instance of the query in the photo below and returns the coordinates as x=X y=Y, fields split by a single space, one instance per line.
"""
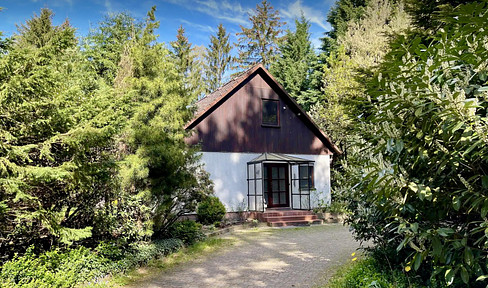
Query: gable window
x=271 y=113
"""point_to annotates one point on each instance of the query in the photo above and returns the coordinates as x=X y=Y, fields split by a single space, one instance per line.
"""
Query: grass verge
x=367 y=272
x=154 y=267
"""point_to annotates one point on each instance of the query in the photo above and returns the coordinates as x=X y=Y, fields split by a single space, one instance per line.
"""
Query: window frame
x=309 y=178
x=277 y=125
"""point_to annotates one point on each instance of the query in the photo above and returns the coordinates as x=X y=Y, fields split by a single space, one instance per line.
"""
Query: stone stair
x=288 y=217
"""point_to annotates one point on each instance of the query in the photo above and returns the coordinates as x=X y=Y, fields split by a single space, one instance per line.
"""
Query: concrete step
x=290 y=218
x=286 y=213
x=295 y=223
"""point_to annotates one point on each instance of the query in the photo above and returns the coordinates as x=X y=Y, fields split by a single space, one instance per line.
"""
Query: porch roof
x=278 y=158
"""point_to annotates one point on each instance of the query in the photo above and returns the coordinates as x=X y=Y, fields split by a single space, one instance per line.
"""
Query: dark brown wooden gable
x=233 y=124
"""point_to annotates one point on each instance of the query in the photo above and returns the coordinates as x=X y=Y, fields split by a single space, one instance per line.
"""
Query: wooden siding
x=235 y=124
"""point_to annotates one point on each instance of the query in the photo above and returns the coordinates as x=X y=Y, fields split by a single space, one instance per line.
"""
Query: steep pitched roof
x=210 y=102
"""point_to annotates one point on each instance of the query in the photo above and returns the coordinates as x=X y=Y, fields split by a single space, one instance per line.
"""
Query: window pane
x=274 y=172
x=303 y=172
x=276 y=199
x=259 y=187
x=270 y=112
x=282 y=198
x=250 y=171
x=258 y=171
x=252 y=188
x=310 y=174
x=304 y=184
x=275 y=185
x=265 y=173
x=282 y=185
x=282 y=172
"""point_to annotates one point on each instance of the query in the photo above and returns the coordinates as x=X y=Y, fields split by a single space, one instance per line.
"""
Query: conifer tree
x=55 y=162
x=259 y=44
x=293 y=68
x=339 y=16
x=104 y=45
x=188 y=64
x=217 y=58
x=157 y=165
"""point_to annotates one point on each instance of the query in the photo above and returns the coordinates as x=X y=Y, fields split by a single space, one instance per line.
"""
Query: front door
x=276 y=185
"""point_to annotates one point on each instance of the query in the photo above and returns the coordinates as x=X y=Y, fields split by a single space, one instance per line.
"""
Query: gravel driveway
x=266 y=257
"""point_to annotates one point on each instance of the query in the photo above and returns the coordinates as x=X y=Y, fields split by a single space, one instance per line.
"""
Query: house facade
x=261 y=149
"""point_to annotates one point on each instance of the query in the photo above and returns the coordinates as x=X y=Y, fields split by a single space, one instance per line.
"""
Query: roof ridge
x=236 y=76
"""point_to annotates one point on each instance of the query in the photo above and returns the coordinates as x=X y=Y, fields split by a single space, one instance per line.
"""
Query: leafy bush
x=187 y=231
x=210 y=210
x=426 y=192
x=371 y=273
x=72 y=267
x=53 y=269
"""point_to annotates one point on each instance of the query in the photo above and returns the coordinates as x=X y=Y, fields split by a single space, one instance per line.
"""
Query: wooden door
x=276 y=185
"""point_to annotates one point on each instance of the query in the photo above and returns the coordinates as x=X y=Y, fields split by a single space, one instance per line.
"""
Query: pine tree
x=218 y=58
x=259 y=44
x=293 y=67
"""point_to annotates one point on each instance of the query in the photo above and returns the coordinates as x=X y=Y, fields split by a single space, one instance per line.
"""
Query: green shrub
x=72 y=267
x=372 y=273
x=210 y=210
x=424 y=193
x=53 y=268
x=187 y=231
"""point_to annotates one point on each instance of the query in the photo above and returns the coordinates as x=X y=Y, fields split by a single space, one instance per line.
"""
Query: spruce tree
x=218 y=58
x=104 y=44
x=56 y=166
x=293 y=68
x=339 y=16
x=187 y=63
x=157 y=165
x=259 y=44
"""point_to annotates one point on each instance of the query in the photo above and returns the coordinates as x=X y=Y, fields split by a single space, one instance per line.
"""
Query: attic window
x=271 y=113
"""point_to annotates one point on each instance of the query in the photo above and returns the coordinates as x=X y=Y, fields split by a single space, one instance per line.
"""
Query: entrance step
x=295 y=223
x=282 y=218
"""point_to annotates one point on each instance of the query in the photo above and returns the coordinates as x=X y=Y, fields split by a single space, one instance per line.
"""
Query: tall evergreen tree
x=157 y=163
x=259 y=44
x=188 y=64
x=56 y=168
x=104 y=45
x=218 y=58
x=182 y=52
x=339 y=16
x=293 y=68
x=361 y=48
x=39 y=32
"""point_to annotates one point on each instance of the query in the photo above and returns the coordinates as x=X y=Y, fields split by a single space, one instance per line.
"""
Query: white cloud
x=57 y=3
x=223 y=10
x=294 y=10
x=200 y=27
x=108 y=6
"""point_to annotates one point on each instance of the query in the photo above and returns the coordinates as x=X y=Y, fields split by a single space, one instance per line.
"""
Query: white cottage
x=259 y=146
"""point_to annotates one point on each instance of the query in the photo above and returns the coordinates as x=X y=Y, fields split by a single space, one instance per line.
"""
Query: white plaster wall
x=228 y=172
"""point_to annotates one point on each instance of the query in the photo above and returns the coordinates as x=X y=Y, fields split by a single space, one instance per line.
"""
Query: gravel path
x=265 y=257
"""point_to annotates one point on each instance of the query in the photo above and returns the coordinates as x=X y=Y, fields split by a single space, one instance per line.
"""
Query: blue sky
x=199 y=17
